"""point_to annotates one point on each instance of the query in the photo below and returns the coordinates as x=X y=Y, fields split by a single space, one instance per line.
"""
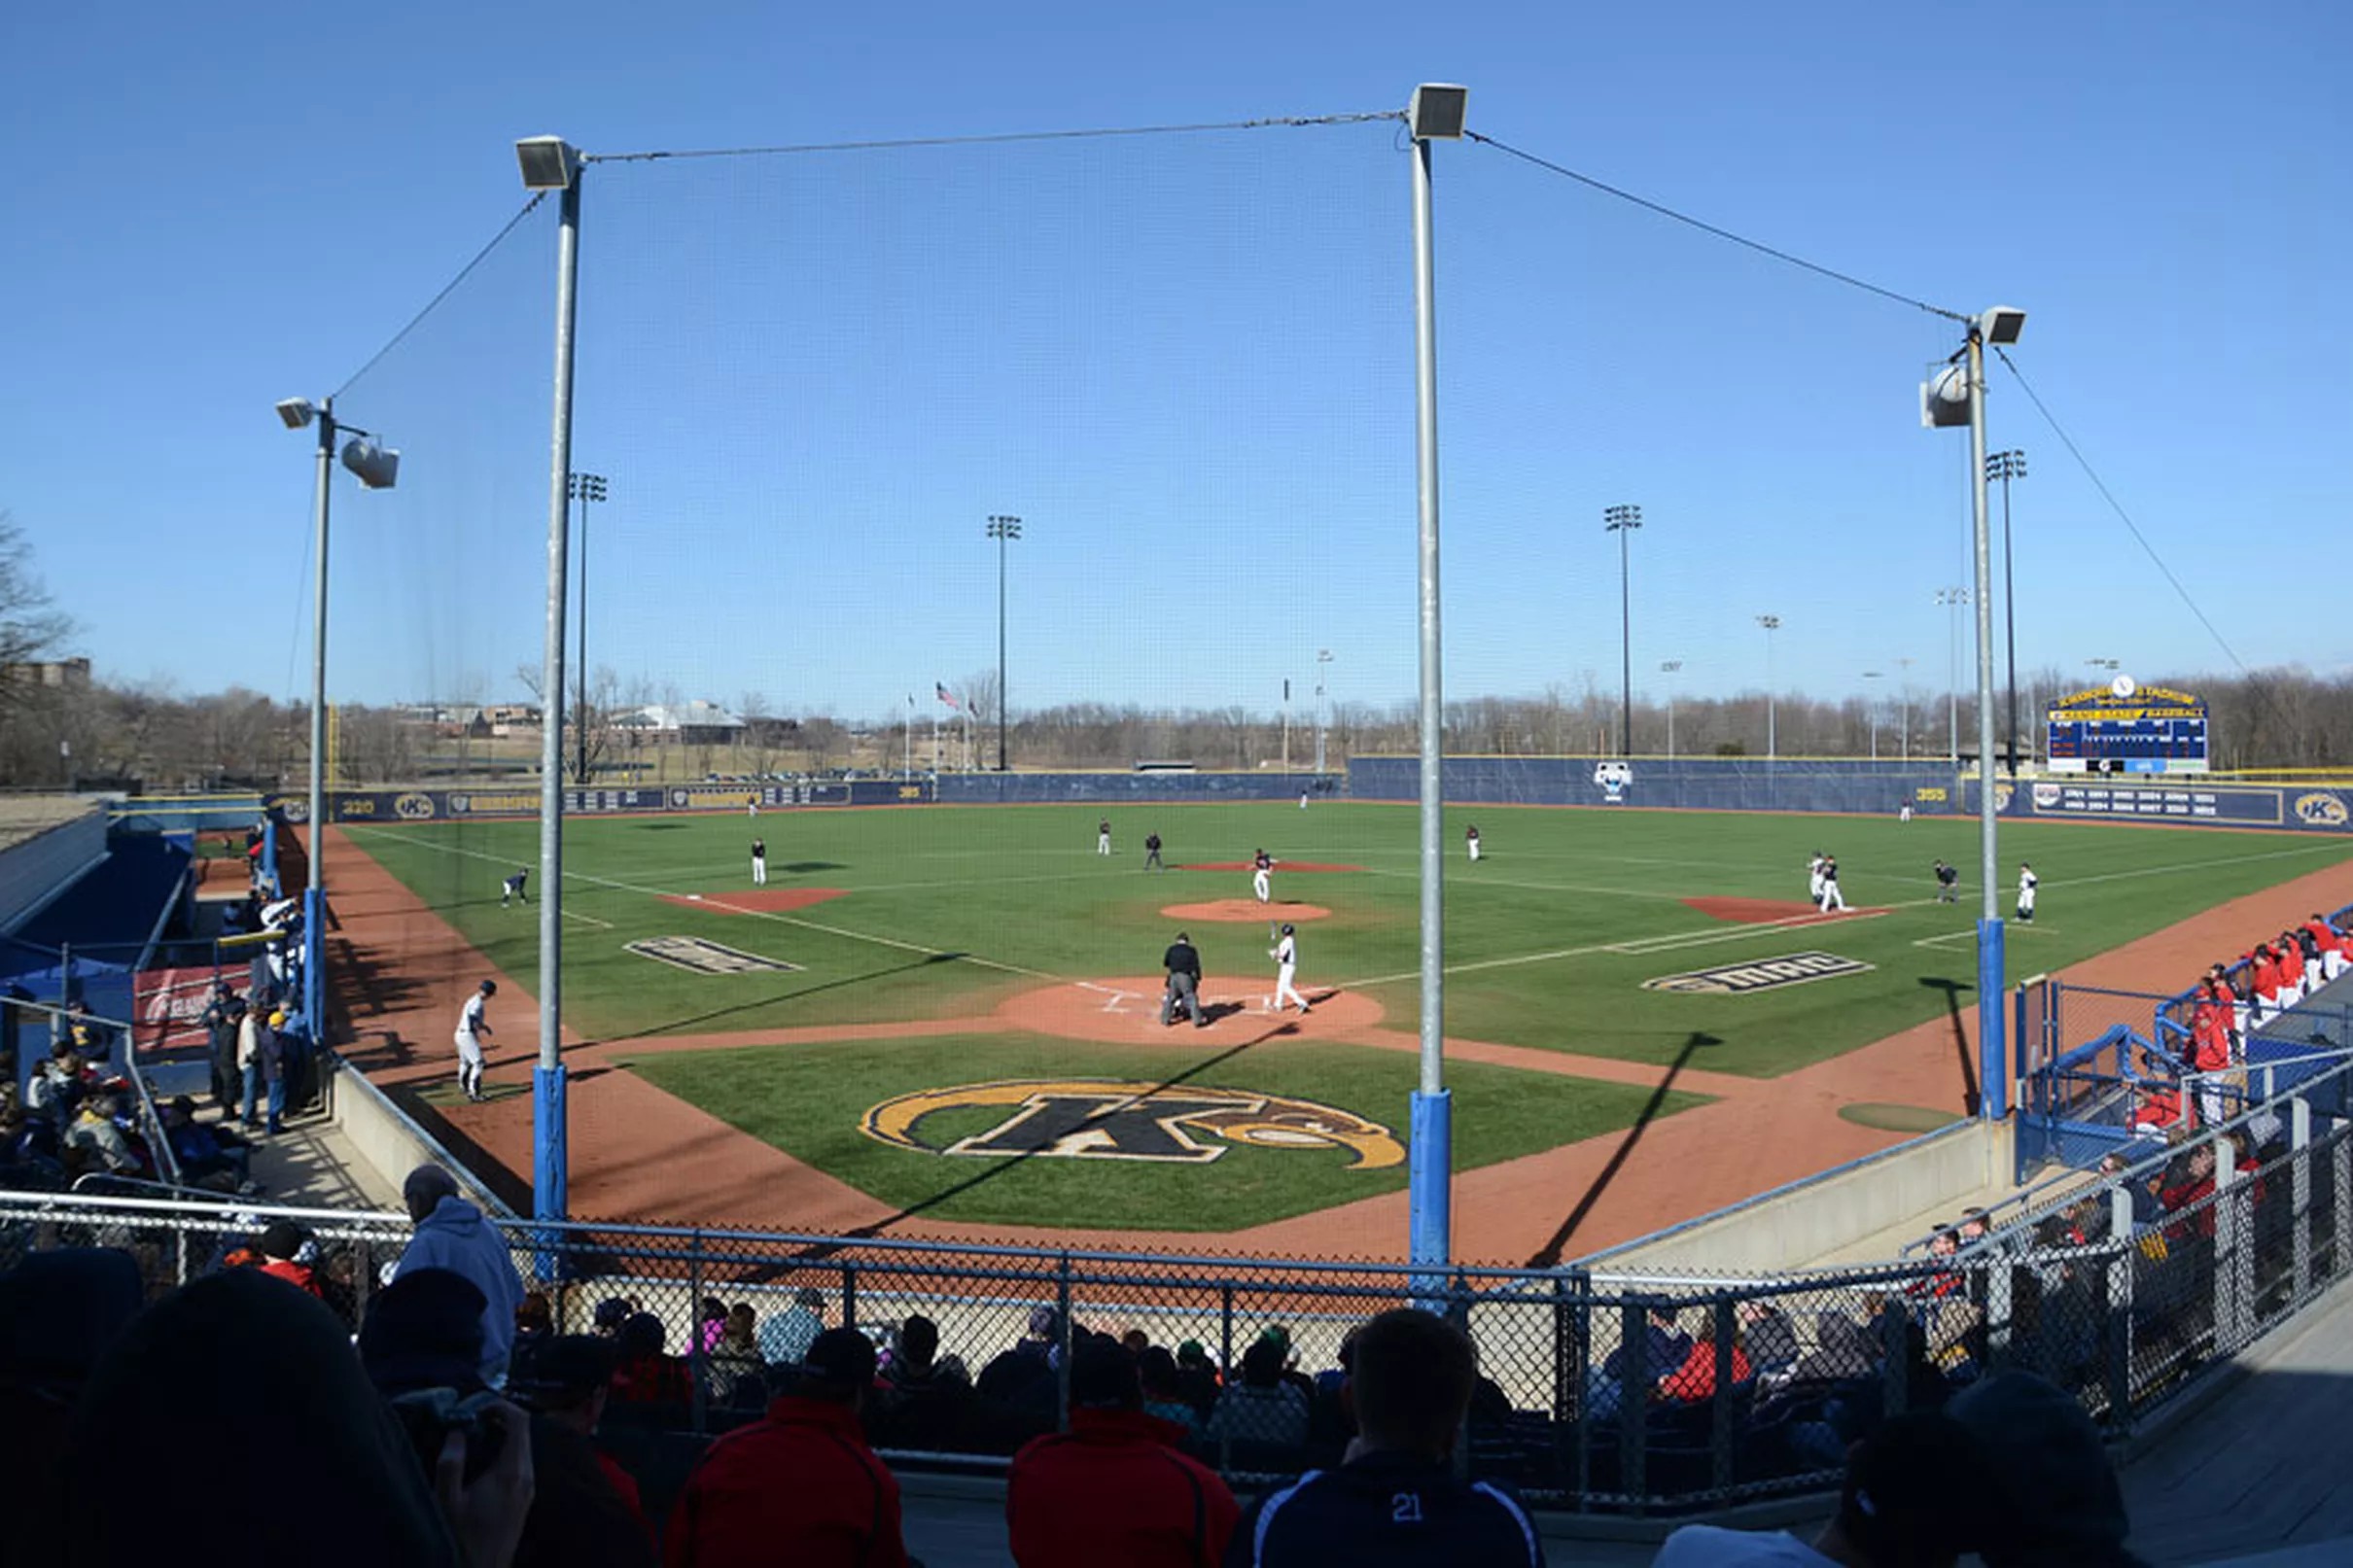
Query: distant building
x=60 y=674
x=693 y=724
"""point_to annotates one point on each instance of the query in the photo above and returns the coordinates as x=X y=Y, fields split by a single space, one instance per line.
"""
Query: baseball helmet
x=1288 y=929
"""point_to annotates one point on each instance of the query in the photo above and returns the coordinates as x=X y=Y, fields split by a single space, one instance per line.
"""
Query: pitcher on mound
x=1262 y=877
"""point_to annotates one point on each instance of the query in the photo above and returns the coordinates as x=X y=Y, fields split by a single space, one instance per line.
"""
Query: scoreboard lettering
x=2126 y=728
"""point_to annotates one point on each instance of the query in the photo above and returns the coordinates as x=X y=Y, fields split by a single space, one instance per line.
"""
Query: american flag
x=945 y=695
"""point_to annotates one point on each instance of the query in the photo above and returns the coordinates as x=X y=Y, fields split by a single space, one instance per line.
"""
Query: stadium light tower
x=1623 y=521
x=1773 y=742
x=1324 y=659
x=585 y=488
x=1003 y=529
x=1668 y=667
x=1435 y=114
x=551 y=164
x=1953 y=599
x=1872 y=703
x=377 y=469
x=2006 y=467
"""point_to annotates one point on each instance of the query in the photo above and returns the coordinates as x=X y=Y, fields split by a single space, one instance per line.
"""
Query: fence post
x=1634 y=1399
x=695 y=1333
x=2230 y=1244
x=1565 y=1332
x=1225 y=1368
x=2340 y=1174
x=1581 y=1386
x=2001 y=1278
x=1061 y=1335
x=2299 y=1210
x=849 y=1294
x=1719 y=1425
x=1895 y=1352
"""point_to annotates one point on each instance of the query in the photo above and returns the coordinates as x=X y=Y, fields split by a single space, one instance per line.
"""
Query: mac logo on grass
x=705 y=957
x=1765 y=974
x=1110 y=1119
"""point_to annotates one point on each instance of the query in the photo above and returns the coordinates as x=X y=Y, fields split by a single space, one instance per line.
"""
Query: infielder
x=2027 y=881
x=1262 y=877
x=511 y=889
x=1947 y=884
x=1470 y=841
x=1814 y=878
x=1285 y=953
x=472 y=1028
x=759 y=862
x=1832 y=898
x=1102 y=836
x=1151 y=852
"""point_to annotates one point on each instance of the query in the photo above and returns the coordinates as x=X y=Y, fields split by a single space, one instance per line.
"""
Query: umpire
x=1183 y=964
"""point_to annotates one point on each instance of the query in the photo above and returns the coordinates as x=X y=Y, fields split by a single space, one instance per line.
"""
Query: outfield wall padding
x=1111 y=788
x=1694 y=784
x=2190 y=800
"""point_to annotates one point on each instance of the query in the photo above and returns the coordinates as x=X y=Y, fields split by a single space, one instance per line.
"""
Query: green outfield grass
x=951 y=909
x=809 y=1101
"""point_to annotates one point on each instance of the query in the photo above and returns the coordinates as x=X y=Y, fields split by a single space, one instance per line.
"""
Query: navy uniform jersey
x=1385 y=1510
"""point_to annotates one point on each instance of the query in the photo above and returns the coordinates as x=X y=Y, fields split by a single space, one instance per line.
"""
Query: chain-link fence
x=1617 y=1394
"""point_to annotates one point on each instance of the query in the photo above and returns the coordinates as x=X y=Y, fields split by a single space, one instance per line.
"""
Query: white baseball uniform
x=473 y=1024
x=1262 y=881
x=1827 y=879
x=759 y=862
x=2027 y=881
x=1814 y=878
x=1285 y=953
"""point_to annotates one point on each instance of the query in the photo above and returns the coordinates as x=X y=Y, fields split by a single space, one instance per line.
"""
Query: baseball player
x=2332 y=947
x=1814 y=878
x=472 y=1028
x=751 y=805
x=2027 y=881
x=2290 y=961
x=1151 y=852
x=1285 y=953
x=1102 y=836
x=1262 y=877
x=1832 y=898
x=1947 y=884
x=1903 y=812
x=1183 y=961
x=759 y=862
x=1303 y=800
x=1470 y=841
x=511 y=891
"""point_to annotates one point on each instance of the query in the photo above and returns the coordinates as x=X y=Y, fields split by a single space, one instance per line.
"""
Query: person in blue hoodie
x=451 y=1233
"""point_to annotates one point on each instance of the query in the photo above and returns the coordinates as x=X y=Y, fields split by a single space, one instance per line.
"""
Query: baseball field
x=951 y=1014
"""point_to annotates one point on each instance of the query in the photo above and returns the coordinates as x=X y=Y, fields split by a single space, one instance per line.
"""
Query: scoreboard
x=2126 y=728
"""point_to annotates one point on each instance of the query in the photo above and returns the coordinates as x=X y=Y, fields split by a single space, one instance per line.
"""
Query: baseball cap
x=2063 y=1504
x=610 y=1312
x=283 y=1239
x=839 y=1358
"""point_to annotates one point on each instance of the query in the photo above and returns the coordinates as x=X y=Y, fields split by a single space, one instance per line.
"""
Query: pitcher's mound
x=1129 y=1010
x=755 y=900
x=1770 y=911
x=1241 y=910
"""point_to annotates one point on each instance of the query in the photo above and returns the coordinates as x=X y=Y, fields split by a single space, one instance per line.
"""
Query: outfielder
x=472 y=1028
x=1832 y=898
x=1285 y=953
x=1813 y=877
x=2027 y=881
x=511 y=889
x=759 y=862
x=1102 y=836
x=751 y=805
x=1262 y=877
x=1470 y=841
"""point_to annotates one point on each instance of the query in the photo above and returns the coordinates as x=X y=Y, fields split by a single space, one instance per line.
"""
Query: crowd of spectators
x=458 y=1425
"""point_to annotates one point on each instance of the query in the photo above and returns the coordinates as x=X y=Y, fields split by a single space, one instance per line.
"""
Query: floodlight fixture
x=378 y=468
x=548 y=163
x=1437 y=112
x=2001 y=326
x=298 y=412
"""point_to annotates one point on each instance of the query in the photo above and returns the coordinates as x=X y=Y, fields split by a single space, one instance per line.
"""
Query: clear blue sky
x=1185 y=362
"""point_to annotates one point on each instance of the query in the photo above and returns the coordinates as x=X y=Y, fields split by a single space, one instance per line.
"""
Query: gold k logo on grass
x=1110 y=1119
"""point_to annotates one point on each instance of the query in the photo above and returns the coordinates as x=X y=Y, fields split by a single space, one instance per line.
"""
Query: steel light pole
x=1872 y=703
x=1623 y=521
x=1003 y=530
x=1668 y=667
x=1436 y=113
x=2006 y=467
x=1905 y=665
x=1324 y=658
x=1772 y=624
x=378 y=470
x=551 y=164
x=585 y=488
x=1953 y=599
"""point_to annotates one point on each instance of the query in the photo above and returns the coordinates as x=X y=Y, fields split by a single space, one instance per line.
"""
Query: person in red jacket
x=799 y=1486
x=2210 y=1043
x=279 y=1247
x=1113 y=1490
x=2332 y=946
x=1696 y=1380
x=2263 y=970
x=2219 y=978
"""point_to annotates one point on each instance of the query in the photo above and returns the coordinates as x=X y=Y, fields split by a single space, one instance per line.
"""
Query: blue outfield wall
x=1696 y=783
x=2079 y=798
x=1111 y=789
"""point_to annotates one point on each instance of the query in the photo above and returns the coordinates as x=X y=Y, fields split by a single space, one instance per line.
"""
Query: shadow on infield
x=1953 y=990
x=1548 y=1255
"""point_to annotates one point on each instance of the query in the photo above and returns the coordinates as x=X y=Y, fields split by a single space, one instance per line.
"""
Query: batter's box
x=705 y=957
